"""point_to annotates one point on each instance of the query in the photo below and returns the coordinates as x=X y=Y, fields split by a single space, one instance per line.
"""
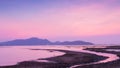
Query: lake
x=11 y=55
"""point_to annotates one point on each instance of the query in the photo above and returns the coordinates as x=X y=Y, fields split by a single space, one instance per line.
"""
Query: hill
x=37 y=41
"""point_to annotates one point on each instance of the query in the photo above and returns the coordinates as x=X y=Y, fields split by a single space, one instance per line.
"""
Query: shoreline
x=73 y=59
x=111 y=64
x=67 y=60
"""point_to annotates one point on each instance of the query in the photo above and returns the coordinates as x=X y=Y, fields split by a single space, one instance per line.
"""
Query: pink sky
x=62 y=23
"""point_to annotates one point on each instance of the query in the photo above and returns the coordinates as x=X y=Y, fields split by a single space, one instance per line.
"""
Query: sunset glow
x=96 y=21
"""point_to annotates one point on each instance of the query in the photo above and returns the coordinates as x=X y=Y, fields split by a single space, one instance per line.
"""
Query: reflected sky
x=13 y=55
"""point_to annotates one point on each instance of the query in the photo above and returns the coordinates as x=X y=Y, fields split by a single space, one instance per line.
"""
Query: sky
x=96 y=21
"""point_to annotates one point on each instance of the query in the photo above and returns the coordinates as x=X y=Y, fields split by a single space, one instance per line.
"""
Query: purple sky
x=96 y=21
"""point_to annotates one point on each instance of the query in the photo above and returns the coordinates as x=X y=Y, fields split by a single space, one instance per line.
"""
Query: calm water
x=14 y=54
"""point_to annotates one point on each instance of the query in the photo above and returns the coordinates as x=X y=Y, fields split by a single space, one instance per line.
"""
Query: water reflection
x=14 y=54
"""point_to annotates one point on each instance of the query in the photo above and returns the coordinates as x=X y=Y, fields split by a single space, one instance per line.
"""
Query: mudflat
x=65 y=61
x=74 y=59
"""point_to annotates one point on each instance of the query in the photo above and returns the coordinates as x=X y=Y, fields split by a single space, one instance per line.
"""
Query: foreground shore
x=112 y=64
x=71 y=58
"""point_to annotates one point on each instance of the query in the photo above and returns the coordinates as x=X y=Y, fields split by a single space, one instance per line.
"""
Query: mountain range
x=38 y=41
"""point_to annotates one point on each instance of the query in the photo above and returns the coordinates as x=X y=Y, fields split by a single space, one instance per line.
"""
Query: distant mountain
x=37 y=41
x=73 y=43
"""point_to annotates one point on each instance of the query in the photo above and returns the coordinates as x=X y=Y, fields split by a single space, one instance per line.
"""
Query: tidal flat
x=60 y=56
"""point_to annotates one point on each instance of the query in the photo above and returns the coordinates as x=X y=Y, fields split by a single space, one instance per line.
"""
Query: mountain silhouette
x=37 y=41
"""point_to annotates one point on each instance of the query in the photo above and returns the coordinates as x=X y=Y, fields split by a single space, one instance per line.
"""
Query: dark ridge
x=38 y=41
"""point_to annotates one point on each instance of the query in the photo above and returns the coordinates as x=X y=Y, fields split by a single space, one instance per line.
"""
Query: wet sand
x=65 y=61
x=72 y=58
x=111 y=64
